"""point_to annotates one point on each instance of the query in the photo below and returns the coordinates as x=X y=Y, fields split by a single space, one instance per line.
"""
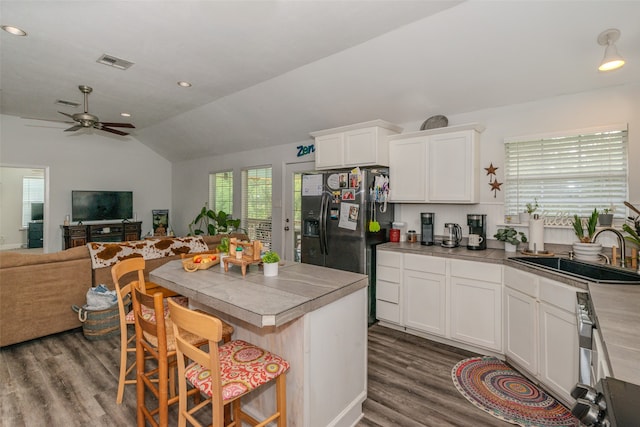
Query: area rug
x=498 y=389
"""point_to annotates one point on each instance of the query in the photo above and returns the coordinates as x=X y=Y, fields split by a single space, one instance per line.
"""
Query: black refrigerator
x=338 y=209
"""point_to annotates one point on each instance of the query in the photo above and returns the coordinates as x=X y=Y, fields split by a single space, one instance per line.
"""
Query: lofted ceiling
x=266 y=73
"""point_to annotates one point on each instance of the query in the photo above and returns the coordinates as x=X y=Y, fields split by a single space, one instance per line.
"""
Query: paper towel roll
x=536 y=235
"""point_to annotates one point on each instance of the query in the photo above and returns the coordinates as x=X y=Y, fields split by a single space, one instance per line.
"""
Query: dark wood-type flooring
x=65 y=380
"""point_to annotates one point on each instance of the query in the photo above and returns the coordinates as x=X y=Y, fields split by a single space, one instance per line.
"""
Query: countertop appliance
x=477 y=231
x=427 y=219
x=337 y=207
x=452 y=235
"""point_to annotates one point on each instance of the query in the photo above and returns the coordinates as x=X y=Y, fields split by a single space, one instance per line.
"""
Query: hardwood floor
x=66 y=380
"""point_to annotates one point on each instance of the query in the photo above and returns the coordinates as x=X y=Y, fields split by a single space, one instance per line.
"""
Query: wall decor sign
x=493 y=180
x=304 y=150
x=160 y=222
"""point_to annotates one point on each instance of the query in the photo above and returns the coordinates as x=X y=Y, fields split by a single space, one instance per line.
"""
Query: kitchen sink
x=583 y=270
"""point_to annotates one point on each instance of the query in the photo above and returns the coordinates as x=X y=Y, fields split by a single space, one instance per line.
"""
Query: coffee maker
x=427 y=220
x=477 y=231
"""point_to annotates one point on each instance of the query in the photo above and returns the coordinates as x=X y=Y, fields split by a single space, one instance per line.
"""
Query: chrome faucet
x=620 y=242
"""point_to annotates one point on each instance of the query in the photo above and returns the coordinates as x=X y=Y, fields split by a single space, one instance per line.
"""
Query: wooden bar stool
x=223 y=373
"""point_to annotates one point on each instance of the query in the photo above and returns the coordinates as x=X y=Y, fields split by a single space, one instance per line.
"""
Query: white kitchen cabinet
x=424 y=290
x=362 y=144
x=521 y=319
x=388 y=290
x=476 y=303
x=436 y=166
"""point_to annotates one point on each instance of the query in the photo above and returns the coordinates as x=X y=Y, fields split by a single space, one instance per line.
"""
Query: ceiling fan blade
x=73 y=128
x=118 y=125
x=117 y=132
x=66 y=114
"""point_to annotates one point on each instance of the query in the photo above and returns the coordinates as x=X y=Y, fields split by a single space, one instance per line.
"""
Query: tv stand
x=81 y=234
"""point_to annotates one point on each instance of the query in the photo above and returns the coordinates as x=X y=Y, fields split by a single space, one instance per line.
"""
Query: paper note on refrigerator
x=349 y=213
x=311 y=185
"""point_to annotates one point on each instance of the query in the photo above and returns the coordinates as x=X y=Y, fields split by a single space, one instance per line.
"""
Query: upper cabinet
x=436 y=166
x=362 y=144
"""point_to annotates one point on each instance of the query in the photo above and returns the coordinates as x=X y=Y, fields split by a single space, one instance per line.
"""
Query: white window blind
x=221 y=191
x=32 y=192
x=256 y=204
x=568 y=174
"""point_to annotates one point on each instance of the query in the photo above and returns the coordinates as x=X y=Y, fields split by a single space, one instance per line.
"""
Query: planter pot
x=223 y=256
x=508 y=247
x=271 y=269
x=605 y=220
x=524 y=217
x=587 y=251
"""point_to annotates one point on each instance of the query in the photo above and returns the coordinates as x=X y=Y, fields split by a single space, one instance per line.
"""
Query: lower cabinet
x=520 y=327
x=388 y=291
x=476 y=303
x=425 y=294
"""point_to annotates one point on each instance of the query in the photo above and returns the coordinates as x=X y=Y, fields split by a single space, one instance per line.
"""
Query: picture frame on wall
x=160 y=222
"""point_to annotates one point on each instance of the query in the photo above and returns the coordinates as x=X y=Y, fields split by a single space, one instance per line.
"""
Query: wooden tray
x=190 y=265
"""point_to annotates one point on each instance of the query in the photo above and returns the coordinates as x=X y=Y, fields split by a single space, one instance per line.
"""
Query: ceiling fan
x=87 y=120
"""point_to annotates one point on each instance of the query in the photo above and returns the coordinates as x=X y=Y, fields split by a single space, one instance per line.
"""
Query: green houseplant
x=606 y=217
x=530 y=208
x=511 y=238
x=270 y=263
x=211 y=222
x=585 y=249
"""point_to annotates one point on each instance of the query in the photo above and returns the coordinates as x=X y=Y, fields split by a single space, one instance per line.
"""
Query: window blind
x=256 y=204
x=567 y=174
x=32 y=192
x=221 y=191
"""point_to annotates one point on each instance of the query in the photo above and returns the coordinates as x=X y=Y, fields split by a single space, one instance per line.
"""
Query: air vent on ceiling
x=112 y=61
x=67 y=103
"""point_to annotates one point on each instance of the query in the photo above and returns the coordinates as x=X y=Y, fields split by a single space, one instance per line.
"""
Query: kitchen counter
x=617 y=307
x=314 y=317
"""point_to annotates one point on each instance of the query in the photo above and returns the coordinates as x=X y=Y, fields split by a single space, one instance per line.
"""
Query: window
x=32 y=192
x=568 y=174
x=256 y=204
x=221 y=191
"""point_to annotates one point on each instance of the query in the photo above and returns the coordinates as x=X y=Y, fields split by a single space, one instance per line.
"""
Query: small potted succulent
x=511 y=238
x=270 y=262
x=530 y=209
x=605 y=219
x=585 y=249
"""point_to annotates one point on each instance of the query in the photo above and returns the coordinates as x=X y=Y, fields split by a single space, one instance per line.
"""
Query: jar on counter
x=239 y=252
x=412 y=237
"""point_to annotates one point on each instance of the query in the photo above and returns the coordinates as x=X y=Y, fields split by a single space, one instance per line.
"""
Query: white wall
x=589 y=109
x=81 y=161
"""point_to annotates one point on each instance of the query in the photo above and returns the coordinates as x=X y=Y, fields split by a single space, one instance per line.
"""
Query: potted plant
x=223 y=248
x=510 y=237
x=585 y=249
x=530 y=209
x=211 y=222
x=270 y=262
x=606 y=217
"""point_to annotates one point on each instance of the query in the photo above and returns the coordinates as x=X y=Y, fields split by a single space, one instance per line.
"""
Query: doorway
x=292 y=208
x=24 y=208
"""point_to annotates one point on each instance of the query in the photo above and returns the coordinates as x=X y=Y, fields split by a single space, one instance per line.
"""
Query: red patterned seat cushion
x=149 y=314
x=243 y=367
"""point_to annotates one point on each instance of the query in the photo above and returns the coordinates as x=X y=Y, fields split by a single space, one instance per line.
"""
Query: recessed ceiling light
x=184 y=84
x=14 y=30
x=125 y=114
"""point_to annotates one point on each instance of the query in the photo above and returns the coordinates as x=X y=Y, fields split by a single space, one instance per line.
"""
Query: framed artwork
x=160 y=222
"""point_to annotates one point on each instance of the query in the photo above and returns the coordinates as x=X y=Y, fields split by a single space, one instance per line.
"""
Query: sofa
x=37 y=291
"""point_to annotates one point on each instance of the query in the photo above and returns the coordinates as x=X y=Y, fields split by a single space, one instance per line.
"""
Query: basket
x=190 y=266
x=99 y=324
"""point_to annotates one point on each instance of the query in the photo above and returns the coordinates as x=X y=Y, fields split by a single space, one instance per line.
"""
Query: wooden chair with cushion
x=223 y=373
x=155 y=340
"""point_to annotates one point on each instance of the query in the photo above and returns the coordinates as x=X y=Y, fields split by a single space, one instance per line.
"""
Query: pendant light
x=612 y=59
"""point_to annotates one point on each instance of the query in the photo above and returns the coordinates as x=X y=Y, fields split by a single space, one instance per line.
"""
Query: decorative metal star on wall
x=493 y=182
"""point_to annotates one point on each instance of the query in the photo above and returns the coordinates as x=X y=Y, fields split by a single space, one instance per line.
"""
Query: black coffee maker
x=477 y=231
x=427 y=219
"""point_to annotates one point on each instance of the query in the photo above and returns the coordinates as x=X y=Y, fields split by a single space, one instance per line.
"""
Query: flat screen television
x=101 y=205
x=37 y=211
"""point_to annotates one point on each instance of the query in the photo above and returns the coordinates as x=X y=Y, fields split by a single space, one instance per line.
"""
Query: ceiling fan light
x=612 y=59
x=184 y=84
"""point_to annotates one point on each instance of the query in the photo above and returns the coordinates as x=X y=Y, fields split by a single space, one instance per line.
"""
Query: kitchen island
x=315 y=317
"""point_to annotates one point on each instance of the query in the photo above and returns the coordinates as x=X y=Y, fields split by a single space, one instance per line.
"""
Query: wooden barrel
x=101 y=324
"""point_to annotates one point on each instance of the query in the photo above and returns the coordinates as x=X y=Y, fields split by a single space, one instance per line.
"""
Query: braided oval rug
x=503 y=392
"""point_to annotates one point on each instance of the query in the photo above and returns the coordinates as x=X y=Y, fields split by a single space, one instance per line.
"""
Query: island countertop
x=261 y=301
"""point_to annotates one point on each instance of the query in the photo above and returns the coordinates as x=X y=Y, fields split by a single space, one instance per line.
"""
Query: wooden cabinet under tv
x=80 y=235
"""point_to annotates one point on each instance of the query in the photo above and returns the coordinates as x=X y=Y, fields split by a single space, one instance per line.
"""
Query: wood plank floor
x=66 y=380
